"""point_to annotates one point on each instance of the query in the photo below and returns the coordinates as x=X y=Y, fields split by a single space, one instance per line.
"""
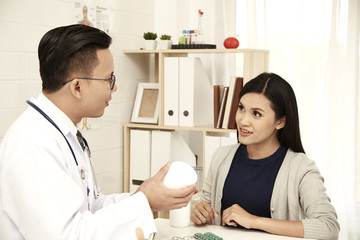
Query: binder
x=212 y=143
x=187 y=92
x=160 y=150
x=169 y=146
x=171 y=91
x=180 y=150
x=140 y=153
x=224 y=141
x=195 y=93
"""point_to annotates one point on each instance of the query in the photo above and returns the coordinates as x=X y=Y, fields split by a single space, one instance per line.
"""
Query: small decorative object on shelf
x=194 y=39
x=165 y=42
x=165 y=37
x=231 y=43
x=150 y=40
x=200 y=34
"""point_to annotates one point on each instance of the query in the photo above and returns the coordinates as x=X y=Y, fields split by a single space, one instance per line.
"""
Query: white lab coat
x=42 y=195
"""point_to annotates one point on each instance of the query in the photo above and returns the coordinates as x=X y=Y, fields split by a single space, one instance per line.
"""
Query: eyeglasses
x=112 y=80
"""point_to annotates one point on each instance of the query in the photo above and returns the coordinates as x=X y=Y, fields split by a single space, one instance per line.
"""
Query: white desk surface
x=166 y=232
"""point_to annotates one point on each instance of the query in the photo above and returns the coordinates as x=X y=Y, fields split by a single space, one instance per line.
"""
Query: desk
x=165 y=232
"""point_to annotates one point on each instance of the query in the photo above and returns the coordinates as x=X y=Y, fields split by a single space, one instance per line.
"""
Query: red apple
x=231 y=42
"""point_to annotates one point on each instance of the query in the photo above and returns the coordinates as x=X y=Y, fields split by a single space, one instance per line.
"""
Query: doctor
x=47 y=188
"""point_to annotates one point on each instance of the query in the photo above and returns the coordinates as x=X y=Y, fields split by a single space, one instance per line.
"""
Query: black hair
x=69 y=49
x=283 y=102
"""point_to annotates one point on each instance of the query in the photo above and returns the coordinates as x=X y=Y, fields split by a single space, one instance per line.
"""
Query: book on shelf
x=229 y=102
x=217 y=101
x=222 y=107
x=235 y=103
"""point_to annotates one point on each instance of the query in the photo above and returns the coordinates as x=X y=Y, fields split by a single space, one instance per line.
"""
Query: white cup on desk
x=180 y=175
x=180 y=217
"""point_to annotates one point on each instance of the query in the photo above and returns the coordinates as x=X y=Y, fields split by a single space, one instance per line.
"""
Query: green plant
x=150 y=36
x=165 y=37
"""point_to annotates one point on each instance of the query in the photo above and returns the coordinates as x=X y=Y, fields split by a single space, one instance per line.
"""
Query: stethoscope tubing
x=56 y=126
x=96 y=193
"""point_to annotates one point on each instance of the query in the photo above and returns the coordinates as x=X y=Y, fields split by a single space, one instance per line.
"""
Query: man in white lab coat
x=47 y=188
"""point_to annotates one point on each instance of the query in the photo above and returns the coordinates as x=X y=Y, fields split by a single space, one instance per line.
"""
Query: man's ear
x=75 y=88
x=281 y=123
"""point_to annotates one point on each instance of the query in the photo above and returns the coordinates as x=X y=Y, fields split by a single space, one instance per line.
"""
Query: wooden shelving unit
x=255 y=61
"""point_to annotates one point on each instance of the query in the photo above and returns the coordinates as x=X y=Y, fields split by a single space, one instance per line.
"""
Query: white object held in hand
x=180 y=175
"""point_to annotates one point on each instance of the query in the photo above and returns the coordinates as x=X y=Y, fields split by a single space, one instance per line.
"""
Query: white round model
x=180 y=175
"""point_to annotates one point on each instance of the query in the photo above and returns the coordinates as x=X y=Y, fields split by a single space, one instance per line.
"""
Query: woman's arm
x=236 y=215
x=299 y=194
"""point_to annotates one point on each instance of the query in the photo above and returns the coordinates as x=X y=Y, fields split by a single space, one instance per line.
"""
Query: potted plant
x=150 y=40
x=165 y=42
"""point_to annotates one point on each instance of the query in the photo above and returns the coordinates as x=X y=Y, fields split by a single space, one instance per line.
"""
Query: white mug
x=180 y=217
x=180 y=175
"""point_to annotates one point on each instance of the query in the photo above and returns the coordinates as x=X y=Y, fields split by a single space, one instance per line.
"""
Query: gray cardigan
x=299 y=192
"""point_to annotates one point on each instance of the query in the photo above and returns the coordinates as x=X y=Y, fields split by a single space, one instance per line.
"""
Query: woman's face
x=256 y=121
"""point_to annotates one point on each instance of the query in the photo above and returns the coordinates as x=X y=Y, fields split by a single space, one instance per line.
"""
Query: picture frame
x=146 y=105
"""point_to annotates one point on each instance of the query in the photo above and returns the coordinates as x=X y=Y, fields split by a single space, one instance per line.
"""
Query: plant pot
x=165 y=44
x=150 y=44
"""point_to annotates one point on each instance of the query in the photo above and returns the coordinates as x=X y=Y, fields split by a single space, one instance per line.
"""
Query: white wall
x=24 y=22
x=171 y=17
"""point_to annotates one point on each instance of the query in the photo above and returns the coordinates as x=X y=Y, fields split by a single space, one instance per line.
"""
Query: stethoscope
x=81 y=170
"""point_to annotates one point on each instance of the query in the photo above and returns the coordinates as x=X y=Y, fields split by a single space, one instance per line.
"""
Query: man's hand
x=162 y=198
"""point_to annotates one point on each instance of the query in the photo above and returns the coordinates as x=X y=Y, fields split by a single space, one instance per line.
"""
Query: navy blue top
x=250 y=183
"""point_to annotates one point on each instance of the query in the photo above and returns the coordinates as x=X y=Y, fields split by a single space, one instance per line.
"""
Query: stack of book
x=226 y=102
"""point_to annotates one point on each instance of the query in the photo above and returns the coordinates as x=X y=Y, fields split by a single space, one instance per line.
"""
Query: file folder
x=169 y=146
x=212 y=143
x=160 y=150
x=140 y=153
x=171 y=91
x=195 y=93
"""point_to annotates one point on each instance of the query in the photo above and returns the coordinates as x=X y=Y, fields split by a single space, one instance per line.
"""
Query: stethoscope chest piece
x=82 y=173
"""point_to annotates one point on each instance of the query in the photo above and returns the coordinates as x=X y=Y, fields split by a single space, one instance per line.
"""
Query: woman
x=266 y=181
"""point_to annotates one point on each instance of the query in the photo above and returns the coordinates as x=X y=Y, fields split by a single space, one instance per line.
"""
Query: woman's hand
x=236 y=215
x=203 y=213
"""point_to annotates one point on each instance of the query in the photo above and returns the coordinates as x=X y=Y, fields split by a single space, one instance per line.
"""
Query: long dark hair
x=67 y=50
x=283 y=102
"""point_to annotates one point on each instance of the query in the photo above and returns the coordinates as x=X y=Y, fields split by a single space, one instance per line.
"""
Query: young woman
x=266 y=181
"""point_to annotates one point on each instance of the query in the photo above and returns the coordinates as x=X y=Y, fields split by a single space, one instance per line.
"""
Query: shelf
x=179 y=128
x=175 y=51
x=205 y=130
x=255 y=61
